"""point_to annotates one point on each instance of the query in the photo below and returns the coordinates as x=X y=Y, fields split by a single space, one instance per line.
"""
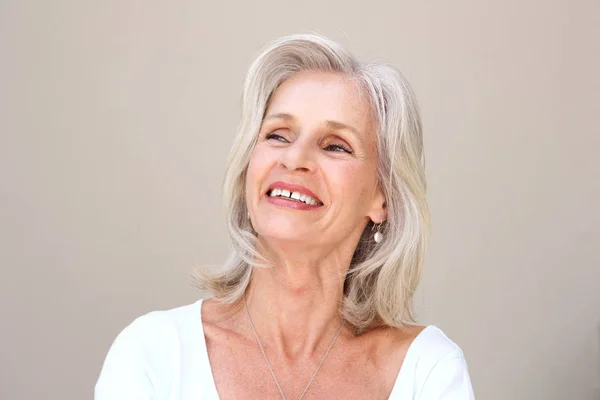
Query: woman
x=325 y=193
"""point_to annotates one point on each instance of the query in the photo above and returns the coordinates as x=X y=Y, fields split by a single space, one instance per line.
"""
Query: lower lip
x=288 y=203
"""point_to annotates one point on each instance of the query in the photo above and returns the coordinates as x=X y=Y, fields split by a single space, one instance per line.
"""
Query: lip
x=293 y=188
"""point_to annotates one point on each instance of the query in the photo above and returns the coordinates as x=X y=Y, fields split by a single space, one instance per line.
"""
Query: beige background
x=116 y=118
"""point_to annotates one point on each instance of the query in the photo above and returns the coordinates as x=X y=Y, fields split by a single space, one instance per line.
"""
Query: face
x=312 y=176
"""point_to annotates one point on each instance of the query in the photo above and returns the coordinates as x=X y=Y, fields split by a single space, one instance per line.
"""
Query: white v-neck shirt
x=162 y=356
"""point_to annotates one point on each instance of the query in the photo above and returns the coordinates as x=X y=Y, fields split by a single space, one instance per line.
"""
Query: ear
x=378 y=210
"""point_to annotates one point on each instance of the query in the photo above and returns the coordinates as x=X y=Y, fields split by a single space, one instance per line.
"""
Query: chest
x=349 y=372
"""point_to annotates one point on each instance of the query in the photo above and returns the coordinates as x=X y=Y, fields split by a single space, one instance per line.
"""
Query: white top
x=162 y=356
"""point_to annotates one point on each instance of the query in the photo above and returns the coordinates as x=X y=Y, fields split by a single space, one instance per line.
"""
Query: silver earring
x=378 y=236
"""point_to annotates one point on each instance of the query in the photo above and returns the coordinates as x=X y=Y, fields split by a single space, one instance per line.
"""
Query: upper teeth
x=294 y=195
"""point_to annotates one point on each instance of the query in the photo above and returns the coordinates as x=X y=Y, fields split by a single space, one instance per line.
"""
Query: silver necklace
x=269 y=364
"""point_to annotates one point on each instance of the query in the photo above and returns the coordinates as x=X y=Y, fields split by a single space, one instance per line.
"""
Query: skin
x=317 y=132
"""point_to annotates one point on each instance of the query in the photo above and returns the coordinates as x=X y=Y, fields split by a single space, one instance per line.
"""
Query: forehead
x=314 y=96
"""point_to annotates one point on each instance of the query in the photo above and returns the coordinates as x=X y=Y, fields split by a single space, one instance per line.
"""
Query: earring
x=378 y=236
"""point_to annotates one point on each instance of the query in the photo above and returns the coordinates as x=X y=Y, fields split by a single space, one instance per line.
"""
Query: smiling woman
x=325 y=195
x=312 y=152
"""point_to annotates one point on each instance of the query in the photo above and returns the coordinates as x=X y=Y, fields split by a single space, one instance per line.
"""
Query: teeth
x=293 y=195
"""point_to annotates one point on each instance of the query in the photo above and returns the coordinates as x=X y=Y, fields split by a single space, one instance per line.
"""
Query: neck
x=295 y=303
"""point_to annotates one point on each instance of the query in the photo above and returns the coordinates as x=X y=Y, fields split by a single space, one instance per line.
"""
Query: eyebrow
x=334 y=125
x=283 y=116
x=338 y=126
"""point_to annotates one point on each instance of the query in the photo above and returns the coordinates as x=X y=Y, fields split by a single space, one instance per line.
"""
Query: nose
x=298 y=156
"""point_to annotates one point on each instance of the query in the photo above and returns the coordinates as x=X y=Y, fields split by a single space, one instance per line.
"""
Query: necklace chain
x=312 y=378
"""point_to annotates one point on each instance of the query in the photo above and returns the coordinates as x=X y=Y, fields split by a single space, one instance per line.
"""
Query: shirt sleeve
x=136 y=364
x=448 y=380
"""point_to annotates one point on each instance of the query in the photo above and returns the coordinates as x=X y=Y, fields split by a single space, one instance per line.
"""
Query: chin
x=285 y=229
x=285 y=239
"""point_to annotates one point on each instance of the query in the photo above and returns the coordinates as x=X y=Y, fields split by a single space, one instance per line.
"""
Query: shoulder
x=422 y=345
x=432 y=345
x=142 y=356
x=437 y=367
x=158 y=327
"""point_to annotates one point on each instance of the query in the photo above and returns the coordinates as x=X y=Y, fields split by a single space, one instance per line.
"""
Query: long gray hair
x=382 y=278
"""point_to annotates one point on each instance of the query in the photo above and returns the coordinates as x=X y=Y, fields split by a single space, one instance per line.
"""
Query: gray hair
x=382 y=278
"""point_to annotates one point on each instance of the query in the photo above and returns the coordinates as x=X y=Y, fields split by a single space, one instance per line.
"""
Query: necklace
x=269 y=364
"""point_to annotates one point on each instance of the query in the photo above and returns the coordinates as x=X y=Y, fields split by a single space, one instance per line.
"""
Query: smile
x=296 y=196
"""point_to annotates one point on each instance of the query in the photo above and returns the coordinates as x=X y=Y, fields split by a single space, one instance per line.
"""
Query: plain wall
x=116 y=118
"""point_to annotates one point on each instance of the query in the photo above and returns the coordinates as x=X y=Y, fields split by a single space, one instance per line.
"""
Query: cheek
x=258 y=168
x=353 y=183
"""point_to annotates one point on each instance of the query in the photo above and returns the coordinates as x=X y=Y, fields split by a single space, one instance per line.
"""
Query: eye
x=274 y=136
x=338 y=148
